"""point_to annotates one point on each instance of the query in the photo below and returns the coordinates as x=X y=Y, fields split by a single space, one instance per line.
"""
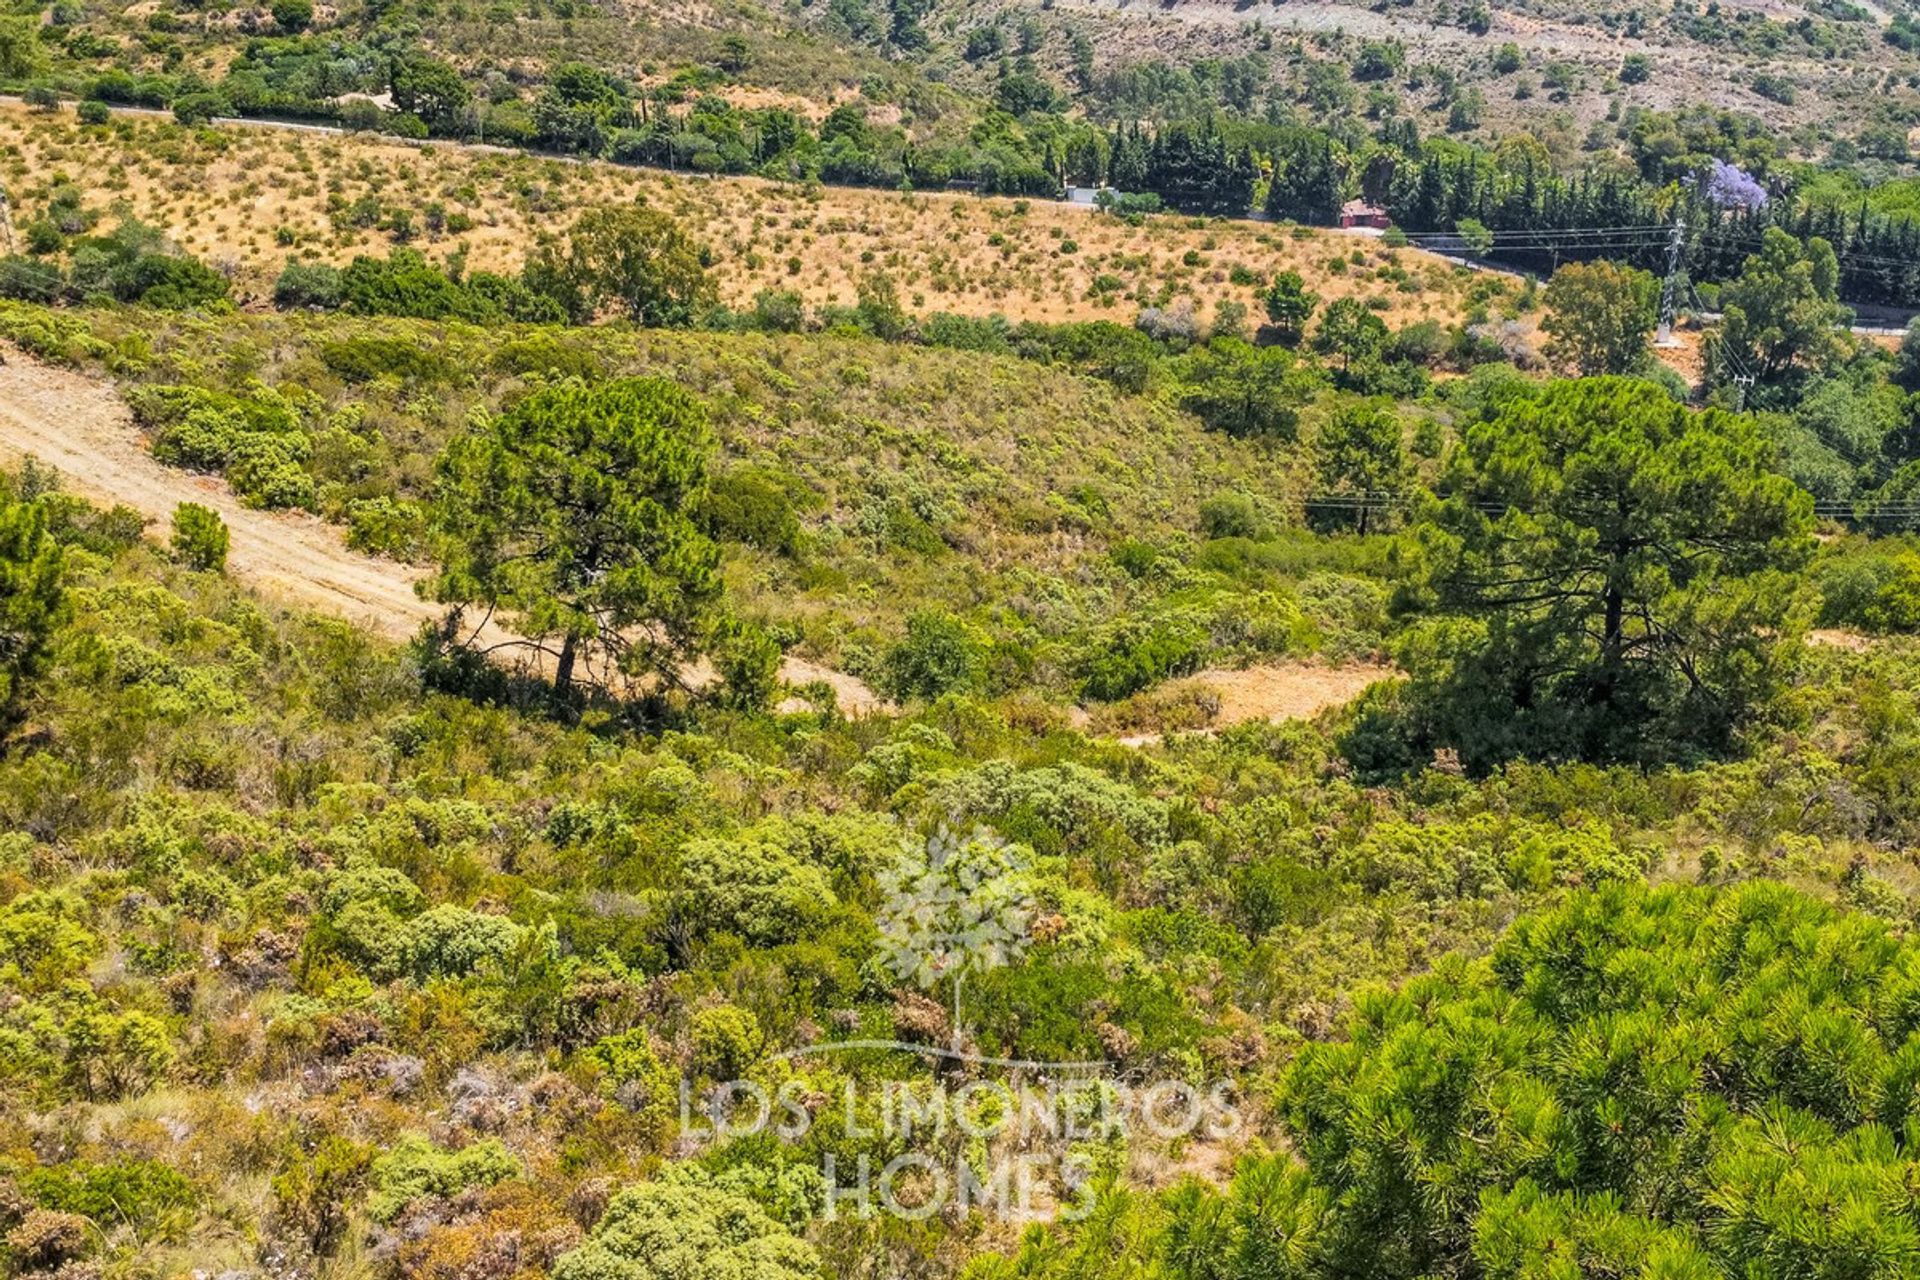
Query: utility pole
x=1663 y=336
x=1740 y=382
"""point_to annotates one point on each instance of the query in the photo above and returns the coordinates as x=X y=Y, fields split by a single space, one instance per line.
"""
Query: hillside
x=1822 y=70
x=880 y=482
x=854 y=640
x=307 y=961
x=248 y=200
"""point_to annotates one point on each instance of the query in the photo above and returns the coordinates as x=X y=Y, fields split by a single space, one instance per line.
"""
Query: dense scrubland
x=1577 y=941
x=327 y=954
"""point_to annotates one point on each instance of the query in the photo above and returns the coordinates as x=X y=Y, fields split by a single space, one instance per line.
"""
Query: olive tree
x=627 y=258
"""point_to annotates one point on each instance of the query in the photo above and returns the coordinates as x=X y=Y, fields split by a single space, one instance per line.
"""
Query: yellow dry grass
x=248 y=198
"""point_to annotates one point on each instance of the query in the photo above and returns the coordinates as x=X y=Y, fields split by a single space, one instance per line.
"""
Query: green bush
x=202 y=439
x=169 y=282
x=451 y=942
x=414 y=1168
x=633 y=1075
x=1875 y=588
x=1135 y=654
x=1246 y=391
x=29 y=279
x=754 y=505
x=365 y=358
x=967 y=333
x=1231 y=515
x=199 y=538
x=550 y=356
x=199 y=108
x=726 y=1041
x=938 y=655
x=658 y=1231
x=778 y=311
x=405 y=284
x=313 y=286
x=747 y=661
x=269 y=470
x=384 y=527
x=759 y=886
x=138 y=1192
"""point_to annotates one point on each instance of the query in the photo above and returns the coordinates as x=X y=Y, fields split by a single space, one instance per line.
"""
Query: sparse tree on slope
x=571 y=515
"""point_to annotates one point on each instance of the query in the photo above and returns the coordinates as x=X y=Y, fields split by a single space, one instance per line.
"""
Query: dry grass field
x=247 y=199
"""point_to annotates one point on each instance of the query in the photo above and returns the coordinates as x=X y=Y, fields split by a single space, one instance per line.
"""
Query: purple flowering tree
x=1731 y=187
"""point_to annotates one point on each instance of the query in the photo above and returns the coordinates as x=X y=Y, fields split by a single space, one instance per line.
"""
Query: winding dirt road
x=83 y=430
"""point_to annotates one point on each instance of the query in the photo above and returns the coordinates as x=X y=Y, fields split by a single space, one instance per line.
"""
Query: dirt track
x=83 y=430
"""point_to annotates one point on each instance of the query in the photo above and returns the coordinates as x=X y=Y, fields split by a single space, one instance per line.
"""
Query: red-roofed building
x=1358 y=213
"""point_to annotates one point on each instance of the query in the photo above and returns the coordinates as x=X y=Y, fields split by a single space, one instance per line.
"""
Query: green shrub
x=1874 y=589
x=451 y=942
x=405 y=284
x=169 y=282
x=29 y=279
x=269 y=470
x=938 y=655
x=754 y=505
x=778 y=311
x=1244 y=390
x=202 y=439
x=413 y=1168
x=314 y=1195
x=363 y=359
x=762 y=885
x=1101 y=349
x=726 y=1041
x=384 y=527
x=1231 y=515
x=658 y=1231
x=1135 y=558
x=1134 y=654
x=199 y=108
x=137 y=1192
x=747 y=661
x=313 y=286
x=967 y=333
x=549 y=356
x=199 y=538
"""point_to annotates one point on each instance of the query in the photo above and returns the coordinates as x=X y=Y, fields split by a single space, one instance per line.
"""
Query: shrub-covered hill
x=303 y=964
x=859 y=484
